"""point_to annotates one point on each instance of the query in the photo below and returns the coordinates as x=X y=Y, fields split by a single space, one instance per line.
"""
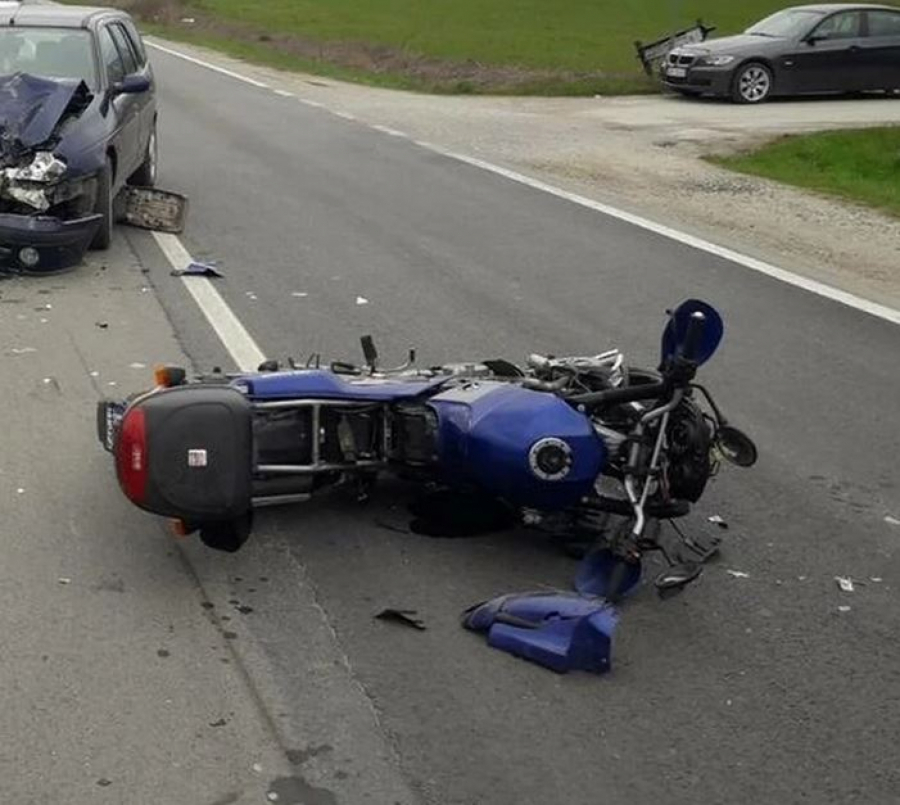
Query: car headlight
x=716 y=61
x=33 y=182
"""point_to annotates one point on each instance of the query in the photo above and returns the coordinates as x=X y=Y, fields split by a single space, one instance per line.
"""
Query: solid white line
x=783 y=275
x=208 y=66
x=388 y=130
x=283 y=93
x=244 y=351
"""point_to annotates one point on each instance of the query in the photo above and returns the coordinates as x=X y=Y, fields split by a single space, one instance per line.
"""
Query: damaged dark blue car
x=77 y=122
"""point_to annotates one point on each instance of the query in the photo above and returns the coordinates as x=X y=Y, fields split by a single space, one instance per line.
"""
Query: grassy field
x=861 y=165
x=528 y=46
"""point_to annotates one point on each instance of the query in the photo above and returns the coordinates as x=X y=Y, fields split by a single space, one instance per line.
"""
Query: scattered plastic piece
x=891 y=520
x=801 y=578
x=361 y=300
x=47 y=306
x=95 y=373
x=404 y=617
x=112 y=383
x=876 y=579
x=843 y=609
x=562 y=631
x=137 y=365
x=20 y=491
x=103 y=325
x=596 y=572
x=738 y=574
x=21 y=351
x=44 y=321
x=299 y=294
x=717 y=520
x=64 y=580
x=103 y=782
x=196 y=269
x=188 y=20
x=152 y=208
x=844 y=583
x=272 y=796
x=257 y=767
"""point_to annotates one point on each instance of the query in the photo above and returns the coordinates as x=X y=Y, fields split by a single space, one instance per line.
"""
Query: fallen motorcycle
x=561 y=443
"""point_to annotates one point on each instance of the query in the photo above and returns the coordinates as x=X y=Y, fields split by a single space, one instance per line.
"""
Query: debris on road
x=846 y=584
x=257 y=767
x=299 y=294
x=103 y=325
x=151 y=208
x=717 y=520
x=843 y=609
x=196 y=269
x=103 y=782
x=137 y=365
x=20 y=351
x=891 y=520
x=876 y=579
x=361 y=300
x=64 y=580
x=404 y=617
x=738 y=574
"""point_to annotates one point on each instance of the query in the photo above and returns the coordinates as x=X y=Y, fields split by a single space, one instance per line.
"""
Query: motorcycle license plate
x=677 y=72
x=109 y=414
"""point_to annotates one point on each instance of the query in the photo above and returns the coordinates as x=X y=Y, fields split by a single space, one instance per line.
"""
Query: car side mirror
x=814 y=39
x=131 y=85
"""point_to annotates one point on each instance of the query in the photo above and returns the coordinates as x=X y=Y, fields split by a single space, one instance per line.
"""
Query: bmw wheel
x=753 y=83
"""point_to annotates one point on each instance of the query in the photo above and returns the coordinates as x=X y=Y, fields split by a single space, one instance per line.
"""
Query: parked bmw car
x=801 y=50
x=77 y=121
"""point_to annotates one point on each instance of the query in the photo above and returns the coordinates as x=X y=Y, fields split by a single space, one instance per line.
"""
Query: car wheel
x=104 y=206
x=145 y=175
x=753 y=83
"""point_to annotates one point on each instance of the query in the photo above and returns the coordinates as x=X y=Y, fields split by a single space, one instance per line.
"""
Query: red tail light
x=131 y=455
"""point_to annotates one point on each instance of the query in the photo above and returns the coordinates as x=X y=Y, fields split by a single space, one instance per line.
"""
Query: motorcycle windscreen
x=676 y=332
x=198 y=450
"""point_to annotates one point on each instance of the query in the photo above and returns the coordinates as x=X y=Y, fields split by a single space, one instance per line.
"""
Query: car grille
x=681 y=59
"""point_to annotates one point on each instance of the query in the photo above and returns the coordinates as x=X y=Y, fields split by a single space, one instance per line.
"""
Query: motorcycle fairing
x=324 y=385
x=559 y=630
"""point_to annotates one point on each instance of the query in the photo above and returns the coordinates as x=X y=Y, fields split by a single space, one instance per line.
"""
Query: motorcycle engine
x=689 y=443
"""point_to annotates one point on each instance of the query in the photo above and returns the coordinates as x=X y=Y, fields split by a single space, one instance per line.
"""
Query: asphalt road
x=742 y=690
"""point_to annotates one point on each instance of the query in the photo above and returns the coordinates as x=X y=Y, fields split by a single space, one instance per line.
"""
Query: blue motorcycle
x=566 y=444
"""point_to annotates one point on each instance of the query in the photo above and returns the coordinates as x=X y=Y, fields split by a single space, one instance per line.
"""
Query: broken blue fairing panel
x=561 y=631
x=596 y=571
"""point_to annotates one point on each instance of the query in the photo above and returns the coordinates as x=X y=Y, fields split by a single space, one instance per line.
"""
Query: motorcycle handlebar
x=647 y=391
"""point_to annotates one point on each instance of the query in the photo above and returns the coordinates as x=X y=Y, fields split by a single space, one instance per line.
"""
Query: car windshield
x=791 y=22
x=48 y=53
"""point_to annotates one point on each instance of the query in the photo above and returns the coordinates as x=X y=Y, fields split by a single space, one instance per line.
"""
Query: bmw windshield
x=55 y=53
x=786 y=24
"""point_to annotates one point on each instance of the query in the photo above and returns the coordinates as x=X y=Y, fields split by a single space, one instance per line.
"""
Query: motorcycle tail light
x=131 y=455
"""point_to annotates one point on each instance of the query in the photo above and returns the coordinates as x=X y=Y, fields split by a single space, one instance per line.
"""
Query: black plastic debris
x=196 y=269
x=103 y=325
x=403 y=617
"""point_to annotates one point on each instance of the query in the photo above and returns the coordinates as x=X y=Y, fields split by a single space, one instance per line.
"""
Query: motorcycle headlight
x=550 y=459
x=716 y=61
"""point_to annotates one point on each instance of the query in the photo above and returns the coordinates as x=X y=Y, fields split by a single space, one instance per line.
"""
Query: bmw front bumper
x=700 y=80
x=43 y=244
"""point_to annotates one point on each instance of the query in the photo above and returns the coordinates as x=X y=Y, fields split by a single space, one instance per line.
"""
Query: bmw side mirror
x=131 y=85
x=813 y=39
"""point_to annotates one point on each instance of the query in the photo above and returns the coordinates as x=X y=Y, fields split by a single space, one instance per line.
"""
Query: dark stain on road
x=296 y=791
x=229 y=635
x=162 y=653
x=228 y=799
x=299 y=756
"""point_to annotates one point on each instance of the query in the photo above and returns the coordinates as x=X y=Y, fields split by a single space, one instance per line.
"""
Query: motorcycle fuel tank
x=526 y=447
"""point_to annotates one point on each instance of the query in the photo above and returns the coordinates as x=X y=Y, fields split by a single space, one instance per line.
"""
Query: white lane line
x=214 y=67
x=283 y=93
x=313 y=104
x=781 y=274
x=388 y=130
x=243 y=349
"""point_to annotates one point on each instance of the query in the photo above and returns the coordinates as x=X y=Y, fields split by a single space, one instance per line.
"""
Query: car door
x=137 y=64
x=881 y=49
x=829 y=58
x=123 y=108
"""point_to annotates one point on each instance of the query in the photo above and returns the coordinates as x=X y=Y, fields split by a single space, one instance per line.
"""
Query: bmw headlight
x=716 y=61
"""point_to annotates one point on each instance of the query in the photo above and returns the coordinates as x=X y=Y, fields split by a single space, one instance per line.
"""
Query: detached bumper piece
x=559 y=630
x=43 y=244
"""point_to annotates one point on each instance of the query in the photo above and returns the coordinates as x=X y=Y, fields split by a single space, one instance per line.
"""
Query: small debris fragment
x=844 y=583
x=103 y=325
x=207 y=604
x=801 y=578
x=876 y=579
x=95 y=373
x=272 y=796
x=137 y=365
x=257 y=767
x=48 y=306
x=361 y=300
x=103 y=782
x=891 y=520
x=719 y=521
x=64 y=580
x=188 y=20
x=299 y=294
x=738 y=574
x=44 y=321
x=21 y=351
x=20 y=490
x=244 y=609
x=843 y=609
x=112 y=383
x=162 y=653
x=196 y=269
x=404 y=617
x=220 y=723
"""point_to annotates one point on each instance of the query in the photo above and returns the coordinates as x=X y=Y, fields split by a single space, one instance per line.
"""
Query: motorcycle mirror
x=678 y=576
x=736 y=447
x=679 y=331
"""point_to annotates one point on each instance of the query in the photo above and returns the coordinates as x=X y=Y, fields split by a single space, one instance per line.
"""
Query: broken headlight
x=40 y=184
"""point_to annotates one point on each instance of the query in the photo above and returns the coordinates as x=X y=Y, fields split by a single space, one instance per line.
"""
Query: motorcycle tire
x=227 y=535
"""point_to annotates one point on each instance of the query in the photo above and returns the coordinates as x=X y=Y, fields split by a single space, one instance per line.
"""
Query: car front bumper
x=704 y=80
x=59 y=244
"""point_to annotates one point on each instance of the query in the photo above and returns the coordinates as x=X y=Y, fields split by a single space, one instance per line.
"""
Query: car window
x=109 y=55
x=787 y=23
x=48 y=53
x=846 y=25
x=884 y=23
x=125 y=51
x=135 y=39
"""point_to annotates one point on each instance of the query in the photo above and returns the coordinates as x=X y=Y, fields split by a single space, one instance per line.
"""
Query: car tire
x=145 y=175
x=104 y=206
x=753 y=83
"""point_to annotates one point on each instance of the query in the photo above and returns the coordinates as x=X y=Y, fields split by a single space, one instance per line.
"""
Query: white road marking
x=760 y=266
x=388 y=130
x=243 y=349
x=283 y=93
x=207 y=65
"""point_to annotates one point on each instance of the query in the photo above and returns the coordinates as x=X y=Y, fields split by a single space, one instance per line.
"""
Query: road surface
x=140 y=669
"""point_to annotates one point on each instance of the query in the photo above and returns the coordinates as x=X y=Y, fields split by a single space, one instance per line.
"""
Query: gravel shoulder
x=644 y=155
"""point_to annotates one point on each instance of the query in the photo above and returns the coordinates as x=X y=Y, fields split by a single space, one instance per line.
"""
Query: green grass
x=558 y=46
x=860 y=165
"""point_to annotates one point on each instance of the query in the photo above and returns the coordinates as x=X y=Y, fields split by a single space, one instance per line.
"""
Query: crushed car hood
x=32 y=111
